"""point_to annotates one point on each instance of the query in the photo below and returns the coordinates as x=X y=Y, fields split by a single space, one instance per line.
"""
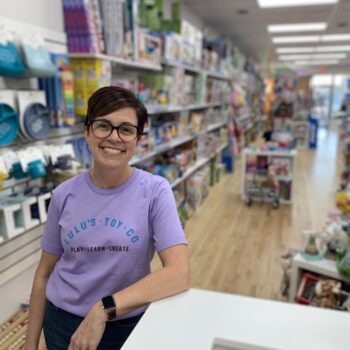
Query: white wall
x=42 y=13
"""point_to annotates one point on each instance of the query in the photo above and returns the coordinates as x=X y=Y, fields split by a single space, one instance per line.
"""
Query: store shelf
x=174 y=143
x=117 y=60
x=281 y=153
x=196 y=166
x=221 y=148
x=186 y=67
x=217 y=76
x=190 y=171
x=283 y=178
x=242 y=118
x=197 y=70
x=215 y=126
x=174 y=109
x=164 y=147
x=324 y=267
x=55 y=133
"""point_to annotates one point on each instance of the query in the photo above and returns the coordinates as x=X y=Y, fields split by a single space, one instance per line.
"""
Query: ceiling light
x=335 y=37
x=288 y=3
x=298 y=27
x=295 y=39
x=317 y=56
x=316 y=63
x=340 y=48
x=293 y=57
x=330 y=56
x=301 y=49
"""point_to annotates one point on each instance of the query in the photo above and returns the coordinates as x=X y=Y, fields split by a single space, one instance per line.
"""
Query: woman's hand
x=89 y=333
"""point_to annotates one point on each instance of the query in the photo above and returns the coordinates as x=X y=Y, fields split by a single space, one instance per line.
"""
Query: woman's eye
x=103 y=126
x=127 y=130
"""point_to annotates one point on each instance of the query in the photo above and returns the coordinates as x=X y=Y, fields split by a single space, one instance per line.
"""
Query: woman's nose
x=115 y=135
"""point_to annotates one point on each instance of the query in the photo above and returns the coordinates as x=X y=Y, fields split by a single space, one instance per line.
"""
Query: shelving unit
x=287 y=156
x=196 y=167
x=196 y=70
x=322 y=267
x=300 y=132
x=119 y=61
x=175 y=109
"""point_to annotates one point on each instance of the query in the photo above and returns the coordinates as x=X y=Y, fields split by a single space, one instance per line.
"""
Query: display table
x=324 y=267
x=280 y=160
x=198 y=319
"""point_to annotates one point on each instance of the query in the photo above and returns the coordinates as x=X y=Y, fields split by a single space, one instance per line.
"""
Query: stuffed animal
x=343 y=201
x=327 y=292
x=333 y=239
x=343 y=263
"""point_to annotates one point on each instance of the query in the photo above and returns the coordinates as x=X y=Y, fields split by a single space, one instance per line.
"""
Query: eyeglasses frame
x=138 y=134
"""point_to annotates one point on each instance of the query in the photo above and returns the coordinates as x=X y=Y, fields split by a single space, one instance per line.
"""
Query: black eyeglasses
x=102 y=128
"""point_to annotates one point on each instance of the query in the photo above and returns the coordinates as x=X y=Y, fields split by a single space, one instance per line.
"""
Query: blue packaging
x=313 y=130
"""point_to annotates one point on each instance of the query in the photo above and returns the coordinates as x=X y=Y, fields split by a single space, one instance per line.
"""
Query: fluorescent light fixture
x=296 y=39
x=289 y=3
x=301 y=49
x=297 y=27
x=316 y=62
x=340 y=48
x=319 y=56
x=294 y=57
x=335 y=37
x=329 y=56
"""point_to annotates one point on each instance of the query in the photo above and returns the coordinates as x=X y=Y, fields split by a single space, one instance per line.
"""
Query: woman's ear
x=86 y=131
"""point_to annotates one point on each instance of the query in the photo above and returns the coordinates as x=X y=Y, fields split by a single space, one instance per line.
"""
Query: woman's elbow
x=186 y=278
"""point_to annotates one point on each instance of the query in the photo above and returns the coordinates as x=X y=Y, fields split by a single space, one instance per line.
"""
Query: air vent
x=242 y=12
x=342 y=24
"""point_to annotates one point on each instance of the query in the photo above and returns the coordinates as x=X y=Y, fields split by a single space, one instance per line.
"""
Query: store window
x=331 y=96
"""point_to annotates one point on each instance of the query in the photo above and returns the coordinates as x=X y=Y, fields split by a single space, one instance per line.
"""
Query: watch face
x=108 y=302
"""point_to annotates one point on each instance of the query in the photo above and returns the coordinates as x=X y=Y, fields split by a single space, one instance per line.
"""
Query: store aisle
x=236 y=249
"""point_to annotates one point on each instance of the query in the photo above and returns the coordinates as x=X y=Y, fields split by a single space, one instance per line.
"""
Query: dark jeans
x=60 y=325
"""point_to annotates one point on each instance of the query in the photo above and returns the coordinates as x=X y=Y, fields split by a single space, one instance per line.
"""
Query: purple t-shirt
x=106 y=237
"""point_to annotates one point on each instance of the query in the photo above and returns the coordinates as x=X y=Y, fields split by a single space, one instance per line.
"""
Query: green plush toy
x=343 y=263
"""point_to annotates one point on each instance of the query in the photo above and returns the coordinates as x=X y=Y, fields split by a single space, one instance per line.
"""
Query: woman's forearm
x=37 y=311
x=157 y=285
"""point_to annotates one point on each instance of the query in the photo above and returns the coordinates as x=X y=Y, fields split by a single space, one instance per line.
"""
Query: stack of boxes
x=89 y=75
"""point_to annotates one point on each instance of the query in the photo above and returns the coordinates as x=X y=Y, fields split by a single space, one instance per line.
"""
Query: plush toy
x=327 y=292
x=343 y=201
x=333 y=239
x=343 y=263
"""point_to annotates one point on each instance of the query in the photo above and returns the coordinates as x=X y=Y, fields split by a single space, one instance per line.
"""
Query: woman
x=93 y=281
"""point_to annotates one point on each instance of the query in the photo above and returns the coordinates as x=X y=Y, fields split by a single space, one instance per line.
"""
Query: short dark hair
x=109 y=99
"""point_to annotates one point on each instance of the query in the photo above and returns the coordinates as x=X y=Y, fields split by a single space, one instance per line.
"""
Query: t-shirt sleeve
x=165 y=221
x=51 y=239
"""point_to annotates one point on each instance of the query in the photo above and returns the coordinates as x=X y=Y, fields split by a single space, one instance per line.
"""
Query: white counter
x=194 y=319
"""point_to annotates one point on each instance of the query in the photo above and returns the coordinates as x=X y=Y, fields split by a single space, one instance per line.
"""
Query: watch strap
x=111 y=314
x=110 y=307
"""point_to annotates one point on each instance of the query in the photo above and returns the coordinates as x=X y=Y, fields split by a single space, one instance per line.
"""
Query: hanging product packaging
x=34 y=117
x=36 y=57
x=10 y=61
x=8 y=124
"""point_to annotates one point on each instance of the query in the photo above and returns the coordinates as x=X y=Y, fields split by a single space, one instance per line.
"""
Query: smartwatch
x=110 y=307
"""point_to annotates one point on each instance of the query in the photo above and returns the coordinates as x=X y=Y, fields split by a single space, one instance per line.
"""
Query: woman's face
x=111 y=152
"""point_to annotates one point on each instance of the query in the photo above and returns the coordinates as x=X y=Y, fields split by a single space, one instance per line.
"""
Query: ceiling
x=249 y=30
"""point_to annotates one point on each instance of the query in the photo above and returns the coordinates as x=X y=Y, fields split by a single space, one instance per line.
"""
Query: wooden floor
x=236 y=249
